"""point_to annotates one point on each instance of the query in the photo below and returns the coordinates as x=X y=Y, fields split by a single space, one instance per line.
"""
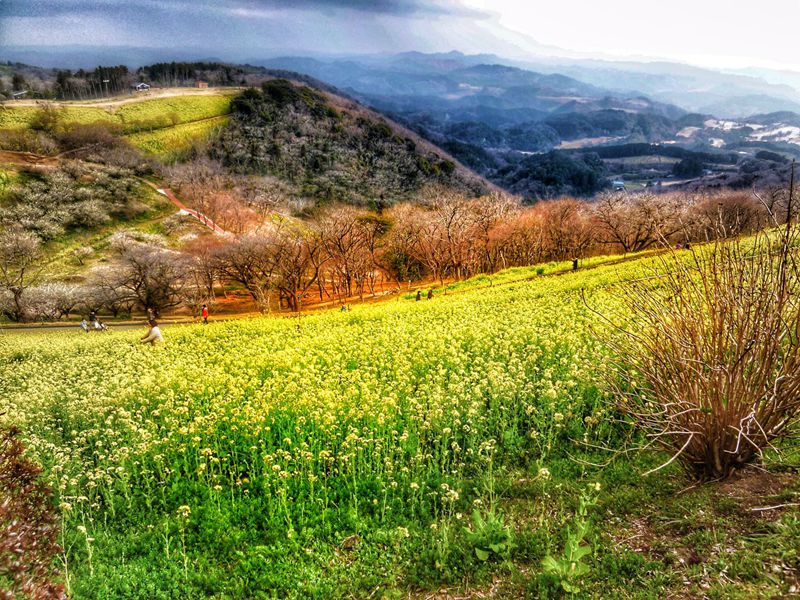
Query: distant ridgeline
x=330 y=148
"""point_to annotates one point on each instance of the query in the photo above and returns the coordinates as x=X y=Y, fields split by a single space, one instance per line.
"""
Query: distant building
x=200 y=84
x=18 y=95
x=141 y=87
x=618 y=185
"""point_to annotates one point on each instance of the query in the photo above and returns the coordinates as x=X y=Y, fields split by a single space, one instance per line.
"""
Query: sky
x=714 y=33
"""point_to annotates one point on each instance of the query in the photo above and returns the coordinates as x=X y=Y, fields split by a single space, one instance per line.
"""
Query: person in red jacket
x=205 y=314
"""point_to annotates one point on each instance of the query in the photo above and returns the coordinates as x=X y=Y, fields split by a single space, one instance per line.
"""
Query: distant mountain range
x=495 y=115
x=723 y=93
x=693 y=89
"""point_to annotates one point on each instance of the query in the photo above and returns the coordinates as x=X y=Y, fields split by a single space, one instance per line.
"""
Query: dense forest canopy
x=329 y=152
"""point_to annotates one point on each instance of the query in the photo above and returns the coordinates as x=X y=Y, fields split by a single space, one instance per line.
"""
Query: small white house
x=141 y=87
x=618 y=185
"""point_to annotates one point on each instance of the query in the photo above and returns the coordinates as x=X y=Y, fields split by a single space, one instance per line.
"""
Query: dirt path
x=168 y=193
x=26 y=159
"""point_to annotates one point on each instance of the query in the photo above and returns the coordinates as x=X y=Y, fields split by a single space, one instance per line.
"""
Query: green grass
x=157 y=126
x=342 y=455
x=519 y=274
x=21 y=117
x=186 y=108
x=163 y=142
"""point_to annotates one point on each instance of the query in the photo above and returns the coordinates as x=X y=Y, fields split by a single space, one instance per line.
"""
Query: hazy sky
x=707 y=32
x=723 y=33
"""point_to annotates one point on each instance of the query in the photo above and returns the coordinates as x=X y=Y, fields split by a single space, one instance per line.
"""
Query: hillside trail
x=26 y=159
x=116 y=101
x=205 y=220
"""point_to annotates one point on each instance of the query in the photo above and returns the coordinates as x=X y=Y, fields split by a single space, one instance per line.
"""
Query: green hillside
x=129 y=115
x=75 y=211
x=372 y=453
x=156 y=126
x=166 y=140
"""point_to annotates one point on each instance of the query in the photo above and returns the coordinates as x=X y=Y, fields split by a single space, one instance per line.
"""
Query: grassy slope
x=162 y=142
x=157 y=126
x=356 y=409
x=61 y=263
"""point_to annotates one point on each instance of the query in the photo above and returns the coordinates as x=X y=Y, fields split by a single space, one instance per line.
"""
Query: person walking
x=205 y=314
x=153 y=336
x=430 y=294
x=419 y=295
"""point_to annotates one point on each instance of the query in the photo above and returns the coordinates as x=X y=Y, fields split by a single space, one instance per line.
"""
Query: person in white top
x=154 y=335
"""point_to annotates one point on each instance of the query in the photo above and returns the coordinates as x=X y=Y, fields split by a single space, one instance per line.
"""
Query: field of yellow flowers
x=399 y=446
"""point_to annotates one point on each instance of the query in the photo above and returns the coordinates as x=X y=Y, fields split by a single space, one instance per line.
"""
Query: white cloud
x=707 y=32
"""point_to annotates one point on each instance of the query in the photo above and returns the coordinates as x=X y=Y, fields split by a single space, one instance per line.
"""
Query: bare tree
x=519 y=240
x=635 y=222
x=567 y=230
x=302 y=256
x=252 y=261
x=153 y=278
x=487 y=213
x=20 y=269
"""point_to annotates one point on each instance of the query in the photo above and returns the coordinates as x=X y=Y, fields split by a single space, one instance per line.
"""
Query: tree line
x=104 y=81
x=341 y=252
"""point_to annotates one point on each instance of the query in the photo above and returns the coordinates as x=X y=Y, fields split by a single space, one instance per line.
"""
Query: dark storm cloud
x=245 y=29
x=51 y=8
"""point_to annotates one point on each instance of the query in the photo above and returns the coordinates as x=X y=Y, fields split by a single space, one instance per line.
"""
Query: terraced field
x=157 y=126
x=170 y=139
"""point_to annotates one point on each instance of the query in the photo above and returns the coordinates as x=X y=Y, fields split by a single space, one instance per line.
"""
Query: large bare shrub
x=709 y=359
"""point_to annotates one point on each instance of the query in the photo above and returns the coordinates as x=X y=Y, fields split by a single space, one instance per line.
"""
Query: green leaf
x=482 y=554
x=581 y=551
x=569 y=588
x=550 y=564
x=579 y=569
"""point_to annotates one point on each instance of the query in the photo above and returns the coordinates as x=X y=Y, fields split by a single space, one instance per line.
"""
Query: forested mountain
x=329 y=148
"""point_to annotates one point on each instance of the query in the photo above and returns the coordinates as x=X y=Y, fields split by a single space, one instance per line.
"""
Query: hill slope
x=287 y=456
x=331 y=148
x=160 y=123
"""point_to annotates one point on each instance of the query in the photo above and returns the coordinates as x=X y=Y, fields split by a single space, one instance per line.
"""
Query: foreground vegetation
x=399 y=446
